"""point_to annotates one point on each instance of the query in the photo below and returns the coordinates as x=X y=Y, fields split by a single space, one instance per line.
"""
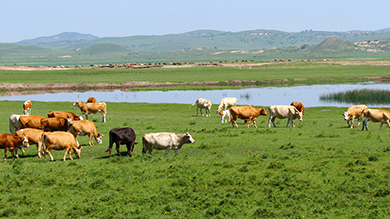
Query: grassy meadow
x=320 y=168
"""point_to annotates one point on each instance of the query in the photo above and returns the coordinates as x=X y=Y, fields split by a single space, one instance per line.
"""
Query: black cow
x=122 y=136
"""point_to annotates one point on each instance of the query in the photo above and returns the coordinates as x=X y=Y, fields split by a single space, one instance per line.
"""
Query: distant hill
x=246 y=40
x=59 y=39
x=103 y=49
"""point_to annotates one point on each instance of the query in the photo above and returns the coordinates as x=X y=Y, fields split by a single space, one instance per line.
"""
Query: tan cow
x=164 y=141
x=91 y=100
x=376 y=115
x=12 y=143
x=65 y=115
x=85 y=127
x=300 y=107
x=354 y=112
x=227 y=102
x=54 y=124
x=202 y=103
x=34 y=136
x=29 y=122
x=60 y=141
x=27 y=107
x=282 y=112
x=247 y=113
x=93 y=108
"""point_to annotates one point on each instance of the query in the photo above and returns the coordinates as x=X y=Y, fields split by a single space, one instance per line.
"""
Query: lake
x=309 y=95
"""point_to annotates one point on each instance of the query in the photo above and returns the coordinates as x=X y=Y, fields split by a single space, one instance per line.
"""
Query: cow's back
x=356 y=111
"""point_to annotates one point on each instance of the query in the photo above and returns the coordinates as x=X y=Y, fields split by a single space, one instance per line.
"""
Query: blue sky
x=27 y=19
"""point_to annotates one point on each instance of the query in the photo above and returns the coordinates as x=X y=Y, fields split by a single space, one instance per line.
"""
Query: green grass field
x=319 y=169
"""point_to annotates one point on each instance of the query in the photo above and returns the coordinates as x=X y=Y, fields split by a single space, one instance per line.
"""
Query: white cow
x=202 y=103
x=227 y=102
x=225 y=115
x=14 y=123
x=354 y=112
x=282 y=112
x=164 y=141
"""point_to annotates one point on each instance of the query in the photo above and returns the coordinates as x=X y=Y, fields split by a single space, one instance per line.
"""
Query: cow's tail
x=44 y=145
x=111 y=142
x=193 y=104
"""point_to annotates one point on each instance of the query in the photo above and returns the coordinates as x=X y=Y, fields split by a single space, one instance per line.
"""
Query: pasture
x=320 y=168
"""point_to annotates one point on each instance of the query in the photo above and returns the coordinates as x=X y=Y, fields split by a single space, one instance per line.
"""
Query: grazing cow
x=54 y=124
x=91 y=100
x=300 y=107
x=227 y=102
x=29 y=122
x=354 y=112
x=85 y=127
x=65 y=115
x=247 y=112
x=282 y=112
x=122 y=136
x=60 y=141
x=376 y=115
x=12 y=143
x=202 y=104
x=27 y=107
x=93 y=108
x=164 y=141
x=225 y=115
x=34 y=136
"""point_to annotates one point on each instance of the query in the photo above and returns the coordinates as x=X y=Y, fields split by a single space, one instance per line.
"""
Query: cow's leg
x=254 y=122
x=90 y=140
x=349 y=125
x=365 y=124
x=201 y=111
x=86 y=116
x=167 y=151
x=5 y=154
x=117 y=148
x=380 y=126
x=130 y=147
x=353 y=118
x=67 y=151
x=150 y=152
x=177 y=152
x=39 y=148
x=360 y=120
x=104 y=117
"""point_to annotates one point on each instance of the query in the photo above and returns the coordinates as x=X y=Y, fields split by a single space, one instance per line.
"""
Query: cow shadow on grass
x=123 y=154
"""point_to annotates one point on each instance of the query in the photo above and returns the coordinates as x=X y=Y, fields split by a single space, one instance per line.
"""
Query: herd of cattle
x=60 y=130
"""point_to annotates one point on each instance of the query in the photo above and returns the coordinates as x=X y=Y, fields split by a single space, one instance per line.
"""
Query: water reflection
x=309 y=95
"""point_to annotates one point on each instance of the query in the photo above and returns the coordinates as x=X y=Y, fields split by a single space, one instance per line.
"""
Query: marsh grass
x=362 y=96
x=313 y=170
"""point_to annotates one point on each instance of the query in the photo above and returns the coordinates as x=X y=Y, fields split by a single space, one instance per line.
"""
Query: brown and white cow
x=202 y=103
x=34 y=136
x=54 y=124
x=93 y=108
x=300 y=107
x=225 y=115
x=247 y=113
x=91 y=100
x=164 y=141
x=27 y=107
x=65 y=115
x=354 y=112
x=60 y=141
x=227 y=102
x=282 y=112
x=85 y=127
x=12 y=143
x=376 y=115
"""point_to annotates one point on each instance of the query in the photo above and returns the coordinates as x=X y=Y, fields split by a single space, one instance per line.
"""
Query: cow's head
x=25 y=142
x=298 y=114
x=263 y=112
x=346 y=116
x=77 y=149
x=188 y=138
x=76 y=103
x=99 y=138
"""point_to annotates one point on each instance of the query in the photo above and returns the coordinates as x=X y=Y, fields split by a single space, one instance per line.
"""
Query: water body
x=308 y=95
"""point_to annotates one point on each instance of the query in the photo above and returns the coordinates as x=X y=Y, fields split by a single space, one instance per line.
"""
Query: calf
x=65 y=115
x=93 y=108
x=225 y=115
x=164 y=141
x=12 y=143
x=122 y=136
x=54 y=124
x=354 y=112
x=60 y=141
x=247 y=112
x=376 y=115
x=282 y=112
x=34 y=136
x=85 y=127
x=227 y=102
x=202 y=103
x=27 y=107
